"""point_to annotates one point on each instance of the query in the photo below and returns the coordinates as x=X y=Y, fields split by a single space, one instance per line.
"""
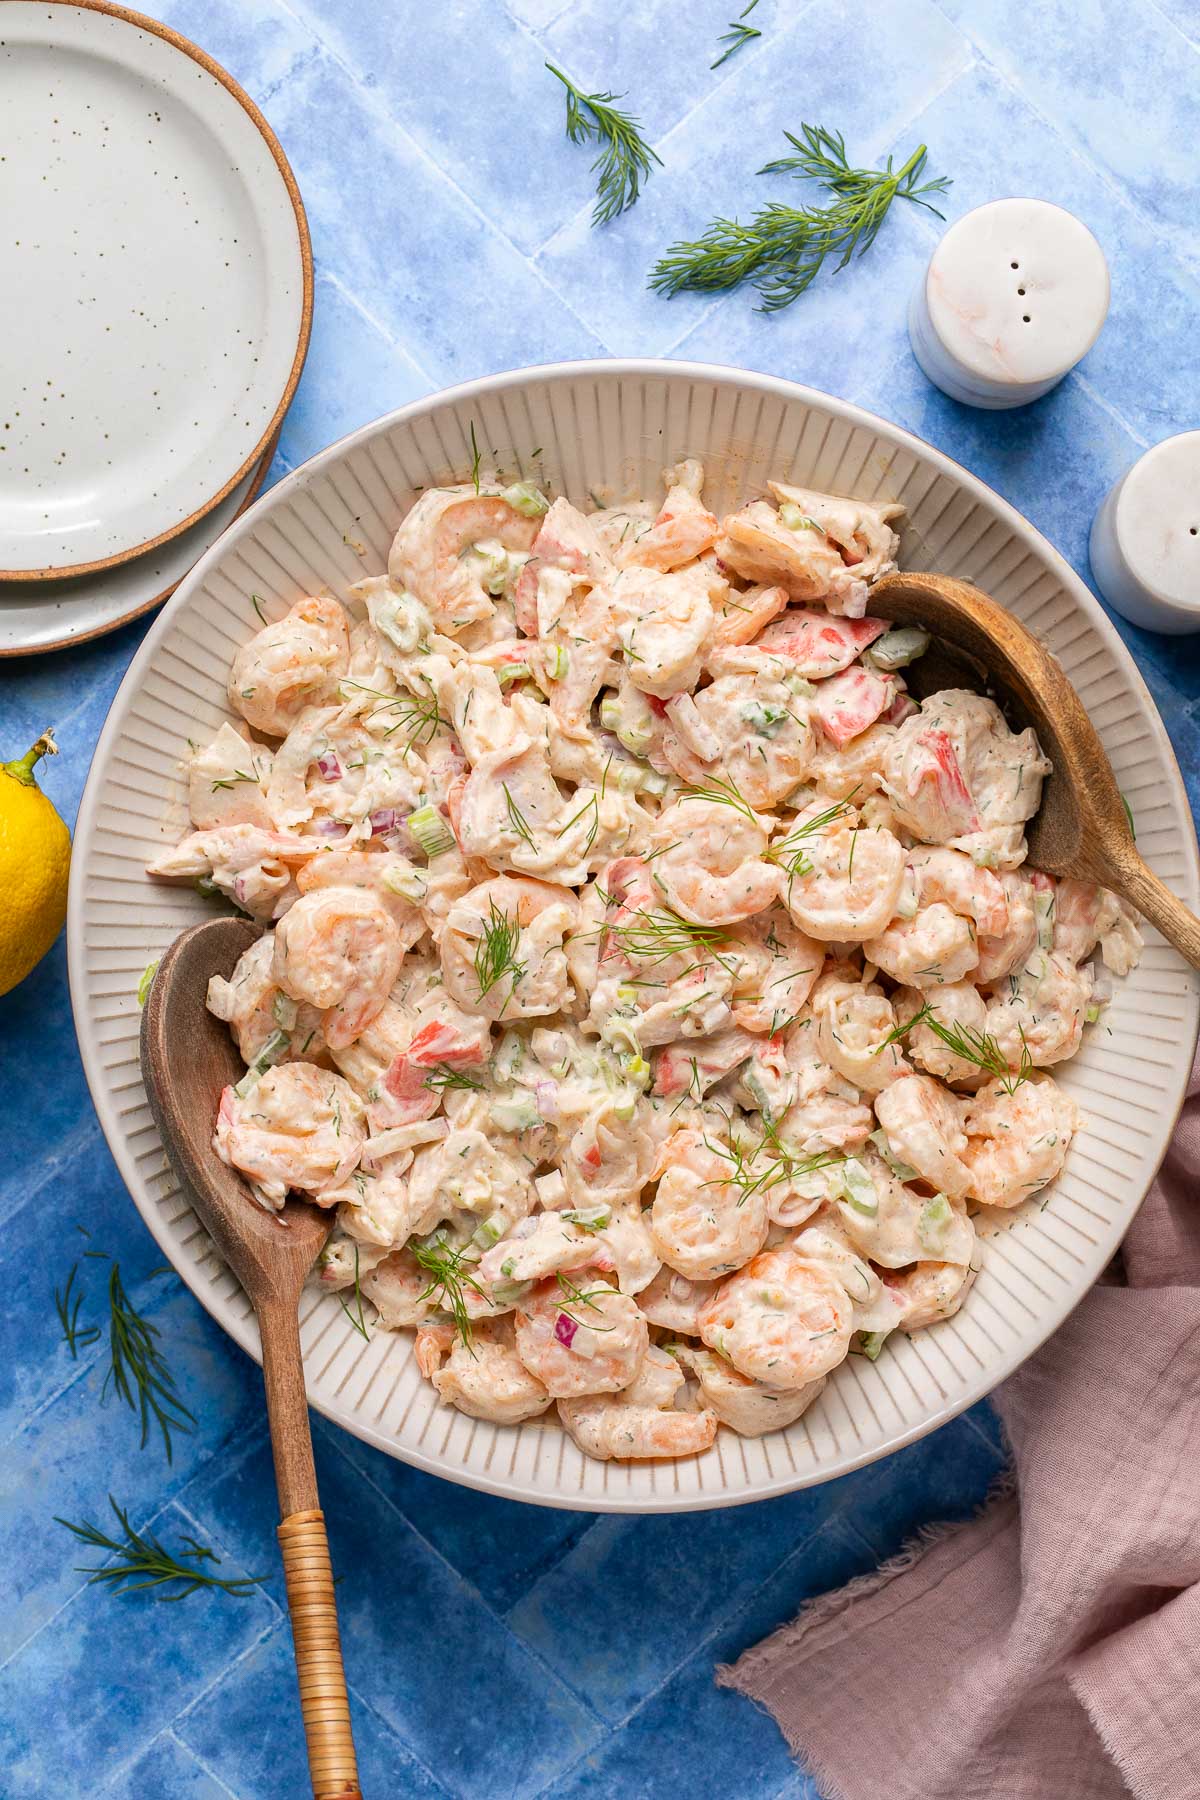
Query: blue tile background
x=494 y=1649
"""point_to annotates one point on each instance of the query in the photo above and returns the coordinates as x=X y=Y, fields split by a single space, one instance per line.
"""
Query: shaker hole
x=1193 y=531
x=1025 y=317
x=1020 y=290
x=1014 y=265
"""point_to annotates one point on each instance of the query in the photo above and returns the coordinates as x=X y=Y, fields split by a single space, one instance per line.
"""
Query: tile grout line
x=529 y=1650
x=389 y=338
x=169 y=1731
x=393 y=125
x=1065 y=134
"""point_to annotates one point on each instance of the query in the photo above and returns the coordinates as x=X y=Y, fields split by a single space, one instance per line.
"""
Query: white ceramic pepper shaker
x=1145 y=543
x=1014 y=295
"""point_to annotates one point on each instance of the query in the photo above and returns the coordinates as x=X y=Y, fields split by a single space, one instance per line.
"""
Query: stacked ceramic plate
x=155 y=317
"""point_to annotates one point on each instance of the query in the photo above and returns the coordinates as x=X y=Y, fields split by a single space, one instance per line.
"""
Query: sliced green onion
x=901 y=1170
x=271 y=1052
x=411 y=884
x=589 y=1218
x=763 y=720
x=490 y=1232
x=431 y=831
x=524 y=498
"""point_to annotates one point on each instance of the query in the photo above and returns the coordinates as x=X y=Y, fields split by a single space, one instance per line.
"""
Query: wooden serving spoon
x=1082 y=829
x=188 y=1057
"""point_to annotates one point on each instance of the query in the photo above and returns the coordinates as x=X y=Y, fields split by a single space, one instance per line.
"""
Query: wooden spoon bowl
x=1082 y=829
x=188 y=1059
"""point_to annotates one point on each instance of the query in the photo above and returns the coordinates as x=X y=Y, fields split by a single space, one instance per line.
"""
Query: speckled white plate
x=50 y=615
x=614 y=425
x=157 y=291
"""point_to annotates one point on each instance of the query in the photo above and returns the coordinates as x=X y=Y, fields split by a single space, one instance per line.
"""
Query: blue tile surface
x=450 y=225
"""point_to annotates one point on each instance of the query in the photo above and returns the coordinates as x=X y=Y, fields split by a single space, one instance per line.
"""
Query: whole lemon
x=35 y=855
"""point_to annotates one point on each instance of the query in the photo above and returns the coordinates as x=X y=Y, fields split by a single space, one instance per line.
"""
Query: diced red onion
x=565 y=1328
x=546 y=1097
x=330 y=828
x=526 y=1227
x=330 y=767
x=386 y=819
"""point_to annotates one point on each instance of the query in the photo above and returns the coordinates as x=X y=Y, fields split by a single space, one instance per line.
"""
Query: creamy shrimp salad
x=652 y=990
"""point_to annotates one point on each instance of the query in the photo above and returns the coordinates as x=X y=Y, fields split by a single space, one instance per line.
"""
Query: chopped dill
x=67 y=1306
x=442 y=1076
x=516 y=817
x=723 y=792
x=359 y=1323
x=138 y=1370
x=448 y=1278
x=496 y=953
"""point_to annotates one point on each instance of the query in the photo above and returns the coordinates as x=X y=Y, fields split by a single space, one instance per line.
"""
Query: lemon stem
x=22 y=770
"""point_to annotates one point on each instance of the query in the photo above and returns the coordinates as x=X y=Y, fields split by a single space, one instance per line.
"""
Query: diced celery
x=625 y=1106
x=272 y=1050
x=403 y=620
x=490 y=1232
x=620 y=1034
x=284 y=1011
x=798 y=684
x=899 y=647
x=558 y=661
x=1043 y=907
x=763 y=720
x=510 y=1054
x=936 y=1215
x=589 y=1218
x=144 y=985
x=507 y=673
x=610 y=712
x=653 y=782
x=901 y=1170
x=857 y=1187
x=515 y=1112
x=431 y=831
x=870 y=1343
x=524 y=498
x=403 y=879
x=791 y=516
x=637 y=1070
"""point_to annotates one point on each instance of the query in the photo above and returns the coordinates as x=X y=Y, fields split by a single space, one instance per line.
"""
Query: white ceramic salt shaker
x=1014 y=295
x=1145 y=543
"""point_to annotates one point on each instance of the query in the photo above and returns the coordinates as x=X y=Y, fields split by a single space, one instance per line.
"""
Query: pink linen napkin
x=1049 y=1649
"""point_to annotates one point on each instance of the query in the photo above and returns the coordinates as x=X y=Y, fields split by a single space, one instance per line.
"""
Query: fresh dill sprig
x=655 y=937
x=474 y=458
x=791 y=852
x=920 y=1017
x=138 y=1370
x=576 y=1296
x=737 y=35
x=359 y=1323
x=443 y=1076
x=67 y=1306
x=496 y=953
x=444 y=1265
x=592 y=806
x=981 y=1048
x=417 y=714
x=147 y=1558
x=625 y=157
x=758 y=1168
x=783 y=248
x=723 y=792
x=1129 y=818
x=516 y=817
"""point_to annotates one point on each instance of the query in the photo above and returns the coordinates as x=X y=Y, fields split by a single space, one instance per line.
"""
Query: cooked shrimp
x=758 y=546
x=1085 y=916
x=956 y=1004
x=399 y=1289
x=338 y=948
x=782 y=1319
x=484 y=1378
x=290 y=664
x=684 y=528
x=567 y=545
x=226 y=783
x=861 y=529
x=893 y=1226
x=344 y=1261
x=502 y=948
x=935 y=947
x=637 y=1424
x=856 y=1031
x=256 y=868
x=709 y=868
x=538 y=1246
x=1012 y=947
x=664 y=625
x=848 y=704
x=397 y=884
x=1018 y=1140
x=957 y=775
x=840 y=883
x=951 y=878
x=1040 y=1013
x=703 y=1223
x=777 y=969
x=579 y=1336
x=298 y=1127
x=748 y=1407
x=828 y=1240
x=674 y=1302
x=924 y=1127
x=754 y=731
x=428 y=552
x=930 y=1291
x=740 y=619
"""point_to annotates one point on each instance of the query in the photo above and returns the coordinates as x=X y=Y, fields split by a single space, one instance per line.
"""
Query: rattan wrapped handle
x=324 y=1704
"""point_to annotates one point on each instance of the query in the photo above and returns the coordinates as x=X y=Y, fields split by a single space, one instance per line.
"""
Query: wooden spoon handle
x=324 y=1703
x=1156 y=901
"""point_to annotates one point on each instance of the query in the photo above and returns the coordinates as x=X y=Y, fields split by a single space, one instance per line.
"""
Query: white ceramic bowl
x=615 y=425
